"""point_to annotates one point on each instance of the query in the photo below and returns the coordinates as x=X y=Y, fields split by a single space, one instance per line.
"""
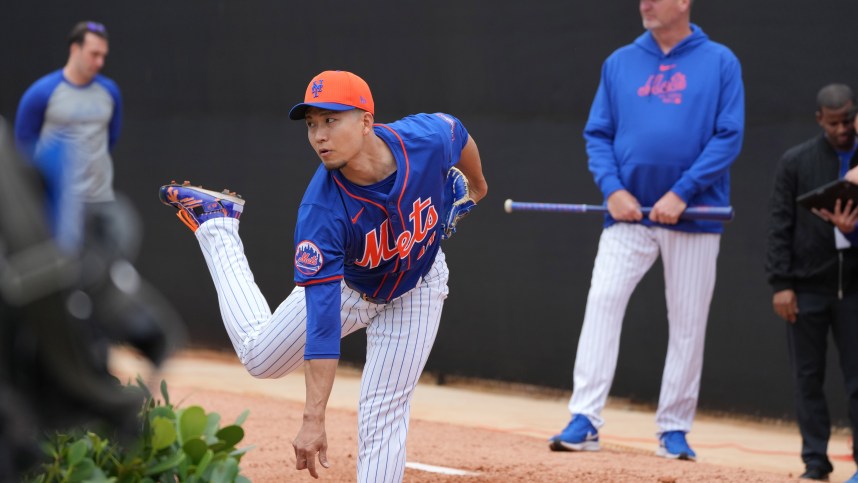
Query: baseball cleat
x=196 y=205
x=672 y=444
x=579 y=435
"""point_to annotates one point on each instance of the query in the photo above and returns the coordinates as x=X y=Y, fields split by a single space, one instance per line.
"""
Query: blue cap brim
x=297 y=112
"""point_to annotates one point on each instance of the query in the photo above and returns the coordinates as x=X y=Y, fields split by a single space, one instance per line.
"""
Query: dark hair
x=79 y=31
x=834 y=96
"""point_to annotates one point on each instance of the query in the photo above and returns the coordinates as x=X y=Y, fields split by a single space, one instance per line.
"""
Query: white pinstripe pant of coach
x=399 y=338
x=626 y=252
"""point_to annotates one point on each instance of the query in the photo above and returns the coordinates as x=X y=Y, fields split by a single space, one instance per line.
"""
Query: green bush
x=174 y=445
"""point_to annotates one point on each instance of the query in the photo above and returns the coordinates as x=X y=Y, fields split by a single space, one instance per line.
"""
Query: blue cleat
x=672 y=444
x=197 y=205
x=579 y=435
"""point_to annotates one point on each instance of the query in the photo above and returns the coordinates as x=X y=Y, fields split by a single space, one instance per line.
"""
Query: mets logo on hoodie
x=668 y=86
x=308 y=258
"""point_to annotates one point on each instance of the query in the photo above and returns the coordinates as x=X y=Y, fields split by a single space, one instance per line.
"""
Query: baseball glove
x=458 y=203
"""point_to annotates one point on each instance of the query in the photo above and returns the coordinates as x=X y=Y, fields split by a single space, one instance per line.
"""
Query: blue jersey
x=381 y=238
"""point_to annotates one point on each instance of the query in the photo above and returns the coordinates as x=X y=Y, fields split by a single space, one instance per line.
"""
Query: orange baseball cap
x=335 y=90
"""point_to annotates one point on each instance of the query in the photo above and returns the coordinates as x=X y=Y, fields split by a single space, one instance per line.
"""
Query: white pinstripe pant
x=399 y=338
x=626 y=252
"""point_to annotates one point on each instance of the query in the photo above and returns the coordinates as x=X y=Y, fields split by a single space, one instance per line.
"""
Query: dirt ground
x=493 y=456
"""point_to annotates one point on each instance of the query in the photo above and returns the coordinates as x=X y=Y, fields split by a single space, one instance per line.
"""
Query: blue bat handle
x=713 y=213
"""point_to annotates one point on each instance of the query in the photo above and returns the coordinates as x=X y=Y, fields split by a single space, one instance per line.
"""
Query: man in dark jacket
x=812 y=265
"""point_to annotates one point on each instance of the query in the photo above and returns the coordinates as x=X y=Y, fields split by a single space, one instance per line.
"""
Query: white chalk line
x=439 y=469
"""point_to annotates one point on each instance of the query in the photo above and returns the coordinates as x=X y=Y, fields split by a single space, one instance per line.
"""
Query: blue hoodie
x=668 y=122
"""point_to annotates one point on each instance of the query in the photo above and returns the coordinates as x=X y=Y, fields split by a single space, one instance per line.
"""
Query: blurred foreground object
x=61 y=309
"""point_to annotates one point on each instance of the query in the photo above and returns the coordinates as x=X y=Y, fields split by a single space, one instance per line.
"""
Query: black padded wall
x=207 y=85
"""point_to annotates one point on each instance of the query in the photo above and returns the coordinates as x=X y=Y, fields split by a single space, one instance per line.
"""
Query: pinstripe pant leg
x=278 y=348
x=689 y=261
x=243 y=308
x=626 y=252
x=399 y=340
x=269 y=345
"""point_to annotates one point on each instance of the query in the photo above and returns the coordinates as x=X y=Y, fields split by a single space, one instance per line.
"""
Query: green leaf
x=163 y=433
x=98 y=444
x=162 y=411
x=76 y=452
x=174 y=460
x=192 y=423
x=241 y=479
x=242 y=417
x=49 y=449
x=81 y=471
x=195 y=449
x=212 y=425
x=204 y=463
x=237 y=454
x=98 y=476
x=231 y=435
x=184 y=469
x=165 y=393
x=225 y=472
x=142 y=384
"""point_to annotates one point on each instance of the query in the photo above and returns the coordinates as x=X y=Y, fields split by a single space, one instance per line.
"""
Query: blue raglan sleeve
x=319 y=253
x=599 y=135
x=323 y=321
x=31 y=116
x=115 y=126
x=724 y=146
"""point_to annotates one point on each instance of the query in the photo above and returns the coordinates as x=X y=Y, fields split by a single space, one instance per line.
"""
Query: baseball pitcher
x=367 y=256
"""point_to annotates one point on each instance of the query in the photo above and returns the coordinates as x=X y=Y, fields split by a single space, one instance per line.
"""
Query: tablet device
x=827 y=194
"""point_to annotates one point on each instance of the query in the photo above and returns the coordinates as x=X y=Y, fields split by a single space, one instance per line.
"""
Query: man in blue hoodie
x=665 y=126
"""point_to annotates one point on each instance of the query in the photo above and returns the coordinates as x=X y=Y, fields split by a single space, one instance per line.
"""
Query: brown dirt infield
x=491 y=454
x=495 y=456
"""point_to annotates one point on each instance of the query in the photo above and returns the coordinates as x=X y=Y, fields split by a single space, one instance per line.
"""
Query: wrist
x=314 y=416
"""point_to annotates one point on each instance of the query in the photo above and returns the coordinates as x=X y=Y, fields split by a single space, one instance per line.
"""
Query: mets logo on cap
x=317 y=86
x=308 y=258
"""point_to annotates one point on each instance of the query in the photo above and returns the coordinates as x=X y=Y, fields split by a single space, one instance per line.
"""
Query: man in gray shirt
x=77 y=110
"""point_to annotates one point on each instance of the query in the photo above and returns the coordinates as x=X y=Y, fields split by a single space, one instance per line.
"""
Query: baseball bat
x=711 y=213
